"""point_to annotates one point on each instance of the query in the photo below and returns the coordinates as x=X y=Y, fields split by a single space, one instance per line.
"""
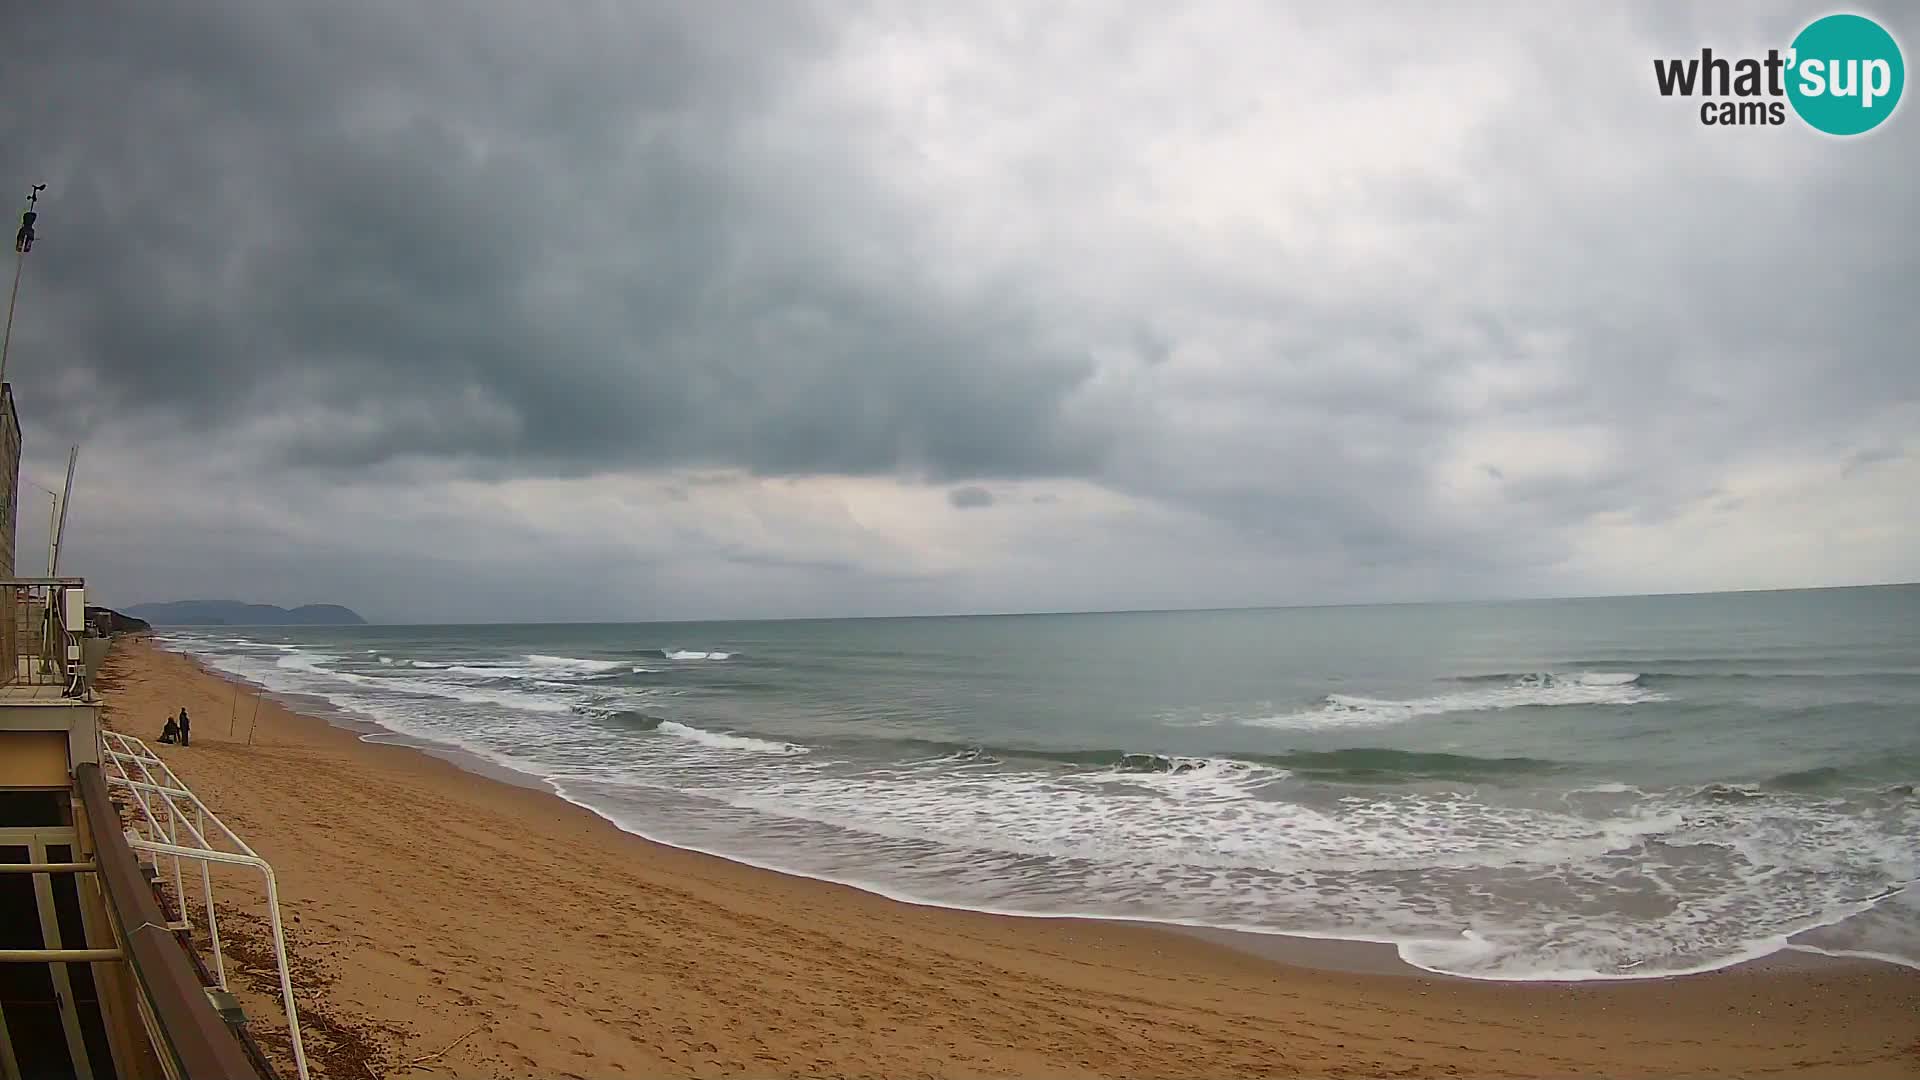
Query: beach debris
x=421 y=1062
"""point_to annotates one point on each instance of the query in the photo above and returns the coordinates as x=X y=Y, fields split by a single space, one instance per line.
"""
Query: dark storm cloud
x=423 y=232
x=1363 y=306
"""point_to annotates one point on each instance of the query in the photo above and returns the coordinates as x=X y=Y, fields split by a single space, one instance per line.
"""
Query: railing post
x=286 y=978
x=173 y=837
x=213 y=922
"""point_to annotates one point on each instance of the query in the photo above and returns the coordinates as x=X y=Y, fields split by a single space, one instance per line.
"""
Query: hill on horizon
x=234 y=613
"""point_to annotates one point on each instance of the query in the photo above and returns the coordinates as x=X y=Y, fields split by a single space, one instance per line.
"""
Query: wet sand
x=483 y=928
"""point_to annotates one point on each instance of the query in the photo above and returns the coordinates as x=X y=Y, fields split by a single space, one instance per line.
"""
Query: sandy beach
x=446 y=923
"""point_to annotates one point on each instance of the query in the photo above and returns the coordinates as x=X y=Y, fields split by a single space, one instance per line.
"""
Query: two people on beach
x=182 y=731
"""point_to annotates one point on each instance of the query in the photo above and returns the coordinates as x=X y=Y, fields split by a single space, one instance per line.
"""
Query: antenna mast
x=60 y=532
x=22 y=243
x=53 y=518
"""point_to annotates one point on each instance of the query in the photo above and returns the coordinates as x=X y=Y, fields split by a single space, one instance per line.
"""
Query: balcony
x=46 y=654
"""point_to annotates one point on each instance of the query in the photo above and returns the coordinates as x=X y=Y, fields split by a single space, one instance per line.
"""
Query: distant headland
x=233 y=613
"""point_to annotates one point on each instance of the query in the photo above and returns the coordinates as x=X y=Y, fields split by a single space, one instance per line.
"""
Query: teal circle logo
x=1846 y=74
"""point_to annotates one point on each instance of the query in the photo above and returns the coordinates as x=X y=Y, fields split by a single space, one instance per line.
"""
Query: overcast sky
x=731 y=309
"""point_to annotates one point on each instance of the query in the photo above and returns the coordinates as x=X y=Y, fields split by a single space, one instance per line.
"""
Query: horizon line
x=1054 y=613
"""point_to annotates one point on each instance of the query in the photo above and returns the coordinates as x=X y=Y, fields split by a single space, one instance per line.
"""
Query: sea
x=1618 y=788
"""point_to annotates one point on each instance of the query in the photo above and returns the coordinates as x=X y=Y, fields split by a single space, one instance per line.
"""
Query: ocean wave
x=1360 y=764
x=319 y=664
x=1539 y=689
x=312 y=672
x=1380 y=764
x=687 y=654
x=1814 y=779
x=1239 y=841
x=723 y=741
x=1161 y=763
x=1727 y=793
x=1555 y=678
x=1537 y=888
x=1196 y=779
x=536 y=666
x=968 y=755
x=630 y=718
x=574 y=664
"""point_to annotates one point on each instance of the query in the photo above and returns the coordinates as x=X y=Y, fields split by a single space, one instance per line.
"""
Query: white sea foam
x=1616 y=882
x=1345 y=710
x=1612 y=787
x=1202 y=779
x=512 y=699
x=318 y=664
x=723 y=741
x=692 y=654
x=536 y=665
x=573 y=664
x=314 y=672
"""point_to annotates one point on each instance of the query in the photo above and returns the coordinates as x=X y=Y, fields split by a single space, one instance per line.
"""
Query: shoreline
x=637 y=942
x=1353 y=955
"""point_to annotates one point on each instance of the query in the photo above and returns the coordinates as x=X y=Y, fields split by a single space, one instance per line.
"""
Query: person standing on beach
x=186 y=727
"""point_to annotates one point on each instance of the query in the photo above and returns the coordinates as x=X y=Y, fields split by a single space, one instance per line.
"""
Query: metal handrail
x=64 y=956
x=157 y=780
x=189 y=1036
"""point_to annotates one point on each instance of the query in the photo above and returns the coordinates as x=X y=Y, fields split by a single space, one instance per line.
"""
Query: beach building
x=106 y=863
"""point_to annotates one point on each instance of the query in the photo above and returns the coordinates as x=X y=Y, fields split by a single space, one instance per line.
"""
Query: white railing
x=168 y=809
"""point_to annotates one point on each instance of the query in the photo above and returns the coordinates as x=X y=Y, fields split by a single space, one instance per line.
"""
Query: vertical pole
x=6 y=343
x=72 y=457
x=173 y=837
x=206 y=885
x=286 y=980
x=53 y=517
x=19 y=264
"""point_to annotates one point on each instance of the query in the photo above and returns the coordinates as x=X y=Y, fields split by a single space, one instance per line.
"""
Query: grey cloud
x=368 y=213
x=367 y=248
x=971 y=497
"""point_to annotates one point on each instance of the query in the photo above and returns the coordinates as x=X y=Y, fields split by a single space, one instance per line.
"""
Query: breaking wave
x=722 y=741
x=1596 y=866
x=1538 y=689
x=1360 y=764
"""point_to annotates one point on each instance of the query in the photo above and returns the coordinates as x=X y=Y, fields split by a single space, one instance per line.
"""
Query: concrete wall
x=33 y=759
x=76 y=722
